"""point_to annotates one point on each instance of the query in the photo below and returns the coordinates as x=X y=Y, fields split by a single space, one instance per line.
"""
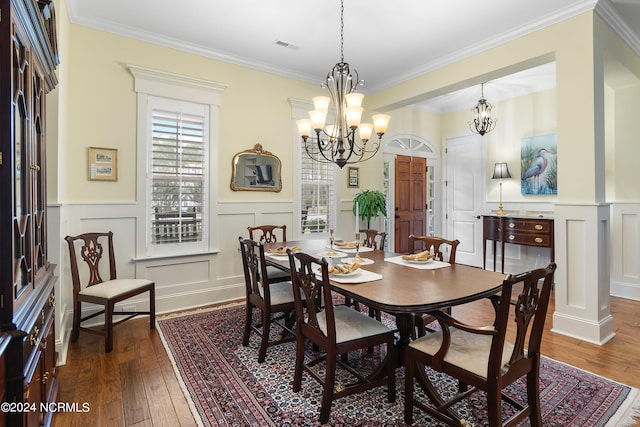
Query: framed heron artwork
x=539 y=164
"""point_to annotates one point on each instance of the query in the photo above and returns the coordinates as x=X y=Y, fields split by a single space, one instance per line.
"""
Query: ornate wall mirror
x=256 y=170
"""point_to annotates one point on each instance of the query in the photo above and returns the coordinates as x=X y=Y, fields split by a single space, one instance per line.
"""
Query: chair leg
x=266 y=330
x=75 y=330
x=108 y=324
x=494 y=406
x=533 y=397
x=391 y=371
x=297 y=376
x=329 y=385
x=152 y=307
x=247 y=323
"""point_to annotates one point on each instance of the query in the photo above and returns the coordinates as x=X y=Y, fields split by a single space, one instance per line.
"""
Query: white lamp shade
x=365 y=130
x=317 y=119
x=353 y=116
x=321 y=103
x=500 y=171
x=304 y=127
x=354 y=99
x=380 y=122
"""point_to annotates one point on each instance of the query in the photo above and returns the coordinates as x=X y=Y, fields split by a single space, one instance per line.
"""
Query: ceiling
x=386 y=41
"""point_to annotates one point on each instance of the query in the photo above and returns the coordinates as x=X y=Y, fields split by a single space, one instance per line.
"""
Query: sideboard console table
x=516 y=230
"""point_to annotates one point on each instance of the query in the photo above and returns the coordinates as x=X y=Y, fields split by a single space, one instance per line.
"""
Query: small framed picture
x=103 y=164
x=353 y=178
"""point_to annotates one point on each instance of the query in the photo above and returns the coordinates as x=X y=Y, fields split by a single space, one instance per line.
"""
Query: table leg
x=404 y=322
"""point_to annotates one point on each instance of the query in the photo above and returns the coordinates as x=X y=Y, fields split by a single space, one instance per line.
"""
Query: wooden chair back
x=92 y=251
x=374 y=239
x=440 y=246
x=255 y=269
x=268 y=233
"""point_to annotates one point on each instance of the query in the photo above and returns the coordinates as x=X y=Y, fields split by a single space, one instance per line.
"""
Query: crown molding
x=608 y=13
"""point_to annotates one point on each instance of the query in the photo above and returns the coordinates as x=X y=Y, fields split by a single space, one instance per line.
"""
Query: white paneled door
x=464 y=195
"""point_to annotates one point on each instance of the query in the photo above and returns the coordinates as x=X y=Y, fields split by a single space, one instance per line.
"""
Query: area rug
x=227 y=387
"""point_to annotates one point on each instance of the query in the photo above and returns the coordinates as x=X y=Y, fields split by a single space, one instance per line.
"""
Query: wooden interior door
x=410 y=205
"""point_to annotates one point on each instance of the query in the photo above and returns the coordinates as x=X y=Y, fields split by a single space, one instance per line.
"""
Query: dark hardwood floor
x=135 y=385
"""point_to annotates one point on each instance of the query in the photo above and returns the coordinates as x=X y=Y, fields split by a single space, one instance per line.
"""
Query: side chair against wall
x=107 y=293
x=336 y=330
x=269 y=234
x=441 y=247
x=270 y=298
x=481 y=357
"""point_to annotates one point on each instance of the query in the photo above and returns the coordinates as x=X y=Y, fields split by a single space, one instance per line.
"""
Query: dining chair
x=269 y=234
x=444 y=250
x=335 y=330
x=374 y=239
x=89 y=287
x=270 y=298
x=481 y=357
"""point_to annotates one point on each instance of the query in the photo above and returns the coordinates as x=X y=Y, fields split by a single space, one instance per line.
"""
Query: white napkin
x=349 y=250
x=432 y=265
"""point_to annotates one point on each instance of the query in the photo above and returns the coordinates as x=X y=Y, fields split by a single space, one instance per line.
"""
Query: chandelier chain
x=342 y=31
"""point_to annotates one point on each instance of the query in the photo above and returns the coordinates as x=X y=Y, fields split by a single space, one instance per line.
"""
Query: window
x=179 y=171
x=317 y=195
x=177 y=144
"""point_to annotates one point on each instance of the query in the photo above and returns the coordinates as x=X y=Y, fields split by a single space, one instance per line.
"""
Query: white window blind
x=178 y=176
x=317 y=195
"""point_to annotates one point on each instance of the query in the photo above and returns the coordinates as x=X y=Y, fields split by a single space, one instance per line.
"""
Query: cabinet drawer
x=529 y=239
x=527 y=225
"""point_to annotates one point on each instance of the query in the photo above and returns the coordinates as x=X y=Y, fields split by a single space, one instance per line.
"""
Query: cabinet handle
x=511 y=237
x=33 y=337
x=538 y=239
x=35 y=168
x=42 y=314
x=45 y=377
x=538 y=227
x=52 y=300
x=511 y=225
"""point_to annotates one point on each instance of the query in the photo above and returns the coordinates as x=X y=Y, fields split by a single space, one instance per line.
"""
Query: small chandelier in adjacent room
x=482 y=122
x=337 y=142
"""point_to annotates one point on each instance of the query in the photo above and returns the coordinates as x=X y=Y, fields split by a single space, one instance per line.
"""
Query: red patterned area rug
x=227 y=387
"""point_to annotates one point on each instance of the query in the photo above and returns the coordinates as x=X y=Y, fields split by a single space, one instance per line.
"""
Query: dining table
x=394 y=285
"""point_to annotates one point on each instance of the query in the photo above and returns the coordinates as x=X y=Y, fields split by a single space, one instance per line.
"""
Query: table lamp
x=500 y=171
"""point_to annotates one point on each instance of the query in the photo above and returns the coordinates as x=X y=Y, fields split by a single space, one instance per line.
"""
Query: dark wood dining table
x=404 y=290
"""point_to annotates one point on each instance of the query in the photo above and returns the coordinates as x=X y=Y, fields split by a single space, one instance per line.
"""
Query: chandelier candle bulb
x=357 y=217
x=354 y=99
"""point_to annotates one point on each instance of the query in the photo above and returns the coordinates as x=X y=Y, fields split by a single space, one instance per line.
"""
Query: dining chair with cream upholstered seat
x=274 y=300
x=89 y=287
x=336 y=331
x=481 y=357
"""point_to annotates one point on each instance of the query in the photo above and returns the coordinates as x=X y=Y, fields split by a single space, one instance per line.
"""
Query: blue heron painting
x=539 y=165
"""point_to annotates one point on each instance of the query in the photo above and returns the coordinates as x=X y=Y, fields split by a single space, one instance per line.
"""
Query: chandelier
x=337 y=142
x=482 y=122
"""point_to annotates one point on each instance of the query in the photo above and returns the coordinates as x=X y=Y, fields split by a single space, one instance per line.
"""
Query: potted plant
x=370 y=203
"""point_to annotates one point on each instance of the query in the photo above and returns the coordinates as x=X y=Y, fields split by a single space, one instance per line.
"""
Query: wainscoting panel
x=625 y=250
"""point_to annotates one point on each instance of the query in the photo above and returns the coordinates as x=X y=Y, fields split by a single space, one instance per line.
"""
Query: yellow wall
x=101 y=112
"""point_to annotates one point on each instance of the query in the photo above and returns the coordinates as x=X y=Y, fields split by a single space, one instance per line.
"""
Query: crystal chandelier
x=337 y=143
x=482 y=122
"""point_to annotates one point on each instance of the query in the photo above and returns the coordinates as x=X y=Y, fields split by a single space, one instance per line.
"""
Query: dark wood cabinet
x=516 y=230
x=28 y=58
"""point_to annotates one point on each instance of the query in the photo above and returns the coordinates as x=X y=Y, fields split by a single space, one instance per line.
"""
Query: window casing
x=177 y=144
x=317 y=195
